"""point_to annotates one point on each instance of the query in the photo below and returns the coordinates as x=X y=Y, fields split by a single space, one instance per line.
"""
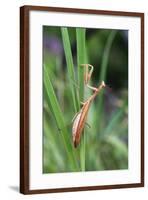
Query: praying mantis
x=80 y=118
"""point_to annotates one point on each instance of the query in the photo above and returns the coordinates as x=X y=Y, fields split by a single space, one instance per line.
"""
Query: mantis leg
x=82 y=103
x=87 y=125
x=74 y=116
x=92 y=88
x=99 y=88
x=88 y=72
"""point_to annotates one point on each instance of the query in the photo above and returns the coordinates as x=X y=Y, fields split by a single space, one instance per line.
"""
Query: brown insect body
x=81 y=117
x=79 y=123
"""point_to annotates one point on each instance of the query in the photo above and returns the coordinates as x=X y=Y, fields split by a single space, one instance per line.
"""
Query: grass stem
x=81 y=59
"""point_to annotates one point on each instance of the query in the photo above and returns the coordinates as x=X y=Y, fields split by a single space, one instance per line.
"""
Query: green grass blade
x=57 y=113
x=51 y=146
x=115 y=119
x=103 y=72
x=106 y=54
x=70 y=67
x=81 y=59
x=119 y=151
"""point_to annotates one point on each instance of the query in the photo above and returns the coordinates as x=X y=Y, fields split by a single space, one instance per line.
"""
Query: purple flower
x=52 y=44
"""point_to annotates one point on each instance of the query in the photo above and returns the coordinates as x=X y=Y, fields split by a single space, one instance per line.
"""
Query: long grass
x=103 y=74
x=55 y=107
x=81 y=59
x=70 y=67
x=115 y=117
x=103 y=149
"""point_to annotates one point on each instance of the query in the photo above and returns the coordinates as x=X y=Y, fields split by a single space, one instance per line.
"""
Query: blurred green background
x=104 y=146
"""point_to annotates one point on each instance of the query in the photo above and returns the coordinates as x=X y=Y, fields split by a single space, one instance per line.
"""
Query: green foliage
x=104 y=146
x=70 y=67
x=81 y=59
x=56 y=111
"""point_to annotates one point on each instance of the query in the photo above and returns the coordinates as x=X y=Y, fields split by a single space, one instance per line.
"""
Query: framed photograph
x=82 y=99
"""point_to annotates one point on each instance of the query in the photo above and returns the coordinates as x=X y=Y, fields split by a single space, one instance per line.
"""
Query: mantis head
x=103 y=84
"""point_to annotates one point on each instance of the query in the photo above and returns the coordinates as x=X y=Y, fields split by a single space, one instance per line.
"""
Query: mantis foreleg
x=87 y=124
x=74 y=116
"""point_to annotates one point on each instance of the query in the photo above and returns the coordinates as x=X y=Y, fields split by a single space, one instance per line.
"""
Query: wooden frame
x=24 y=98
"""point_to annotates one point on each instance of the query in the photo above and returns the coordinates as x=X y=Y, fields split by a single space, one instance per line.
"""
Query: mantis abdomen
x=79 y=123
